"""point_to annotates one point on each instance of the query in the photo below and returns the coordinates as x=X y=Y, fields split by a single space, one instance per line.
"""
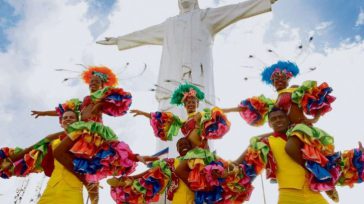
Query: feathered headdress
x=104 y=73
x=184 y=91
x=73 y=105
x=288 y=68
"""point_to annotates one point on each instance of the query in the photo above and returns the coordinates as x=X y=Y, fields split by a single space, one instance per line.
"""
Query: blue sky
x=306 y=14
x=342 y=13
x=8 y=19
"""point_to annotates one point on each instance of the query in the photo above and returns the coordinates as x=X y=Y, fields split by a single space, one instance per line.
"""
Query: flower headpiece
x=104 y=73
x=73 y=105
x=184 y=91
x=289 y=69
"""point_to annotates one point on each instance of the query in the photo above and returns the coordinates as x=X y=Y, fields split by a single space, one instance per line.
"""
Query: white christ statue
x=187 y=41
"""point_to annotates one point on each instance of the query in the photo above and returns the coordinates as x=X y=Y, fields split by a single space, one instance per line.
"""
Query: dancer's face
x=280 y=81
x=183 y=146
x=278 y=121
x=95 y=84
x=191 y=104
x=68 y=118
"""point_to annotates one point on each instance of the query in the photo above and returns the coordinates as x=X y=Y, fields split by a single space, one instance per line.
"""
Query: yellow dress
x=183 y=194
x=291 y=178
x=63 y=186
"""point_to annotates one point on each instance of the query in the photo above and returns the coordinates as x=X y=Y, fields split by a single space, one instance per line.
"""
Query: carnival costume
x=97 y=151
x=326 y=167
x=203 y=163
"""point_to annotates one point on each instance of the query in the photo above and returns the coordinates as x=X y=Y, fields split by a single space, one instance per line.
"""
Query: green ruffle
x=298 y=94
x=98 y=95
x=206 y=115
x=103 y=131
x=162 y=164
x=313 y=132
x=199 y=153
x=174 y=128
x=258 y=145
x=139 y=187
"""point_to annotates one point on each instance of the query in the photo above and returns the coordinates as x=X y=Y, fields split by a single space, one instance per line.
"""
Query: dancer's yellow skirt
x=63 y=187
x=296 y=196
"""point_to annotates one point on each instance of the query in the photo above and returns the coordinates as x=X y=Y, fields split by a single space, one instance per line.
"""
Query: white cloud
x=323 y=25
x=59 y=37
x=360 y=20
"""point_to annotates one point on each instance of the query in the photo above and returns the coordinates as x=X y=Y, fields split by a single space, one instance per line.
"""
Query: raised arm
x=21 y=154
x=149 y=36
x=234 y=109
x=36 y=114
x=219 y=18
x=136 y=112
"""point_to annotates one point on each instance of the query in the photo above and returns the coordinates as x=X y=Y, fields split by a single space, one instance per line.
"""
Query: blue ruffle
x=320 y=173
x=215 y=126
x=155 y=184
x=322 y=98
x=250 y=171
x=118 y=97
x=358 y=164
x=2 y=154
x=85 y=166
x=209 y=197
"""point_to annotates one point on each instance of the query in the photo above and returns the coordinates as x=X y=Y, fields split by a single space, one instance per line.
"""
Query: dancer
x=199 y=126
x=63 y=185
x=154 y=185
x=104 y=96
x=296 y=101
x=290 y=161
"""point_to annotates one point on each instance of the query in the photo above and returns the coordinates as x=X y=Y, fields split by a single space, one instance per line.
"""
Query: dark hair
x=275 y=109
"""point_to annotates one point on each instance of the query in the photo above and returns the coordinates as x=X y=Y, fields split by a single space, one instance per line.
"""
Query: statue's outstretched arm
x=221 y=17
x=149 y=36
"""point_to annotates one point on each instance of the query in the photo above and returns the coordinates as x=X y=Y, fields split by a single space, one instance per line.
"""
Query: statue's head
x=187 y=5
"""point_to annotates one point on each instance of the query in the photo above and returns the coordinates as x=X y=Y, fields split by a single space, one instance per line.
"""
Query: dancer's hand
x=122 y=181
x=36 y=114
x=136 y=112
x=108 y=41
x=361 y=148
x=333 y=195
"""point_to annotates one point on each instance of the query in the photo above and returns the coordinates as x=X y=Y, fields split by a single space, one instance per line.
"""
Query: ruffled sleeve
x=214 y=123
x=115 y=101
x=352 y=168
x=258 y=157
x=32 y=162
x=321 y=160
x=256 y=110
x=314 y=99
x=147 y=188
x=165 y=125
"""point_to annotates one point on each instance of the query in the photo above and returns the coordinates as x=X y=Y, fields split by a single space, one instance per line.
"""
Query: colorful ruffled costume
x=36 y=161
x=98 y=152
x=311 y=98
x=328 y=168
x=147 y=188
x=213 y=125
